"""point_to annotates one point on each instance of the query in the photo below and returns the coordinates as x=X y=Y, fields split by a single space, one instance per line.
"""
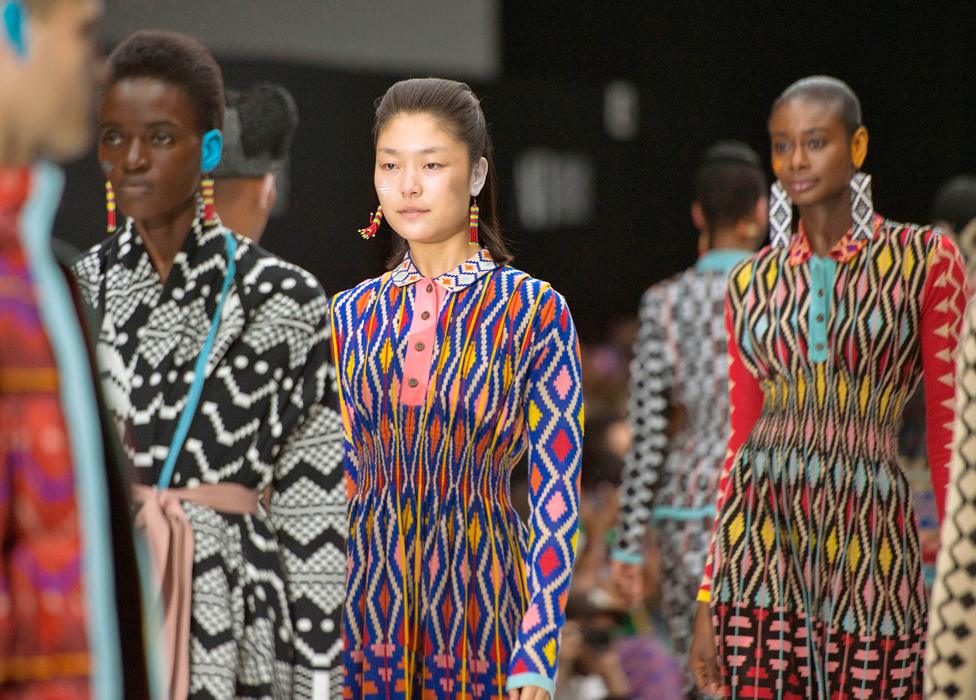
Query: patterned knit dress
x=445 y=383
x=816 y=586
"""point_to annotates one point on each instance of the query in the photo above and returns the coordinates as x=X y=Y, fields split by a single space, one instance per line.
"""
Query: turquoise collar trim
x=721 y=260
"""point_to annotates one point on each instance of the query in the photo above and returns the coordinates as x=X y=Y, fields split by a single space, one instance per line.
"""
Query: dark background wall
x=703 y=71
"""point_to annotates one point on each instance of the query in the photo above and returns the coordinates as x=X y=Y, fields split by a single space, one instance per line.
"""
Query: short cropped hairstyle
x=955 y=202
x=258 y=128
x=823 y=88
x=728 y=183
x=178 y=60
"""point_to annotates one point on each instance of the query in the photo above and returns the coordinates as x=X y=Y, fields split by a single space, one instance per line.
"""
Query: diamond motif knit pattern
x=815 y=579
x=449 y=593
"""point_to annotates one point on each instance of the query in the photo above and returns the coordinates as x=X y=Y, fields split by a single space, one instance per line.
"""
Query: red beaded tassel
x=207 y=192
x=110 y=205
x=374 y=225
x=473 y=225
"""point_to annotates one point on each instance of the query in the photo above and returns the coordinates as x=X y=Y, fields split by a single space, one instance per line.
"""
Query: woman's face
x=811 y=150
x=423 y=179
x=149 y=147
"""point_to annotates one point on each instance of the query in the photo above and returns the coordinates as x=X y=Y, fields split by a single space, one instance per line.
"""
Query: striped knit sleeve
x=745 y=404
x=553 y=414
x=650 y=380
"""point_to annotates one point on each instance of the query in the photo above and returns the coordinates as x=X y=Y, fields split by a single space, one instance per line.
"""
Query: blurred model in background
x=680 y=369
x=259 y=124
x=70 y=604
x=950 y=662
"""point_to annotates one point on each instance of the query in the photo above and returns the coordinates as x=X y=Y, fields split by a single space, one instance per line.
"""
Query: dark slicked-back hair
x=728 y=183
x=828 y=90
x=458 y=110
x=176 y=59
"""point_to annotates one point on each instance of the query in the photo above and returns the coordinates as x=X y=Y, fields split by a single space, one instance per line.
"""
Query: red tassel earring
x=473 y=224
x=374 y=225
x=110 y=205
x=207 y=192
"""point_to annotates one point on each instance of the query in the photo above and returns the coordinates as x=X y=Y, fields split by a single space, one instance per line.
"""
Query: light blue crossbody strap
x=199 y=372
x=77 y=394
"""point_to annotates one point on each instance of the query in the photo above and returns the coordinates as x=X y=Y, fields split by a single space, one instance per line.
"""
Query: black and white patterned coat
x=267 y=589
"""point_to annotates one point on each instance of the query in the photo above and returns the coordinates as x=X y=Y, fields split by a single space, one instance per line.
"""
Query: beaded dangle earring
x=374 y=224
x=110 y=205
x=473 y=224
x=207 y=192
x=211 y=149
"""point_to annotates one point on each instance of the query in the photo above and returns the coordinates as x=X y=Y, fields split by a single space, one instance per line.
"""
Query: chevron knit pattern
x=267 y=589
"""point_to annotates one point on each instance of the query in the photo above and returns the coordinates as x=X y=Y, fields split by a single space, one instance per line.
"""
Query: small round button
x=820 y=318
x=430 y=288
x=419 y=347
x=413 y=383
x=820 y=346
x=820 y=292
x=425 y=315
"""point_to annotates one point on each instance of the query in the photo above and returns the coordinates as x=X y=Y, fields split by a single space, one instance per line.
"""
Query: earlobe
x=211 y=150
x=269 y=192
x=15 y=26
x=479 y=173
x=698 y=216
x=859 y=147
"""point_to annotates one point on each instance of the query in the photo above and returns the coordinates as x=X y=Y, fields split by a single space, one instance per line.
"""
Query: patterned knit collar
x=846 y=248
x=721 y=259
x=201 y=237
x=464 y=275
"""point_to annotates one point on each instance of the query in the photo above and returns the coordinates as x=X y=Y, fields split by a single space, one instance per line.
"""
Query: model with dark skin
x=150 y=147
x=814 y=157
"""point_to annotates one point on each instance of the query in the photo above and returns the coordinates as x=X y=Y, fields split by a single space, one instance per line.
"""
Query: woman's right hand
x=702 y=656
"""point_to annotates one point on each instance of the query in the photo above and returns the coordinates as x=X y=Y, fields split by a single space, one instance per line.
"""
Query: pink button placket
x=420 y=342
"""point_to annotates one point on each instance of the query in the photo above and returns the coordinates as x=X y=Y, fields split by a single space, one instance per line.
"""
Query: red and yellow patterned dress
x=815 y=578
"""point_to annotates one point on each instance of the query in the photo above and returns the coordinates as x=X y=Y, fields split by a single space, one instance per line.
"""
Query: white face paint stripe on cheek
x=384 y=188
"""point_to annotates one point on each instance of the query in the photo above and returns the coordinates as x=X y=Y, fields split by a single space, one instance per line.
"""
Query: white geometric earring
x=862 y=207
x=780 y=216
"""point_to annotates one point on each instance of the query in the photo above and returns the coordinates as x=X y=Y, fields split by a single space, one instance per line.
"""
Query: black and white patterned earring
x=862 y=207
x=780 y=216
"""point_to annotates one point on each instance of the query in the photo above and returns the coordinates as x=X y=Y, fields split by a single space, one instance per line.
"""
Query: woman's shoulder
x=909 y=234
x=514 y=280
x=271 y=283
x=928 y=243
x=365 y=289
x=88 y=265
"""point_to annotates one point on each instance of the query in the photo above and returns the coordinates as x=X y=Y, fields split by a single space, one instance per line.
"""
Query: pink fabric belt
x=170 y=538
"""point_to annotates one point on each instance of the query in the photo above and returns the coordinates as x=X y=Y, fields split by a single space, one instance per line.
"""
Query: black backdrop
x=704 y=71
